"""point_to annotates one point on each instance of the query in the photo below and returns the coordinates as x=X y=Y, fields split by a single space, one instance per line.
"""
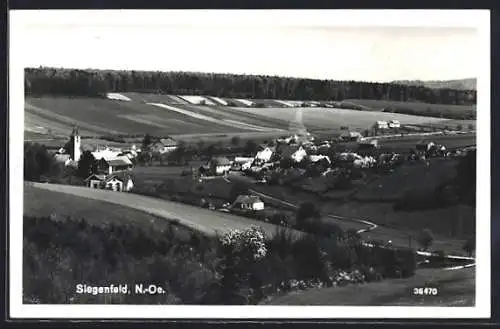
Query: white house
x=111 y=182
x=381 y=125
x=169 y=145
x=248 y=202
x=264 y=155
x=219 y=165
x=299 y=155
x=394 y=124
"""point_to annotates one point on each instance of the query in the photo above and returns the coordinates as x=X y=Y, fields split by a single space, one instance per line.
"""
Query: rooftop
x=221 y=161
x=247 y=199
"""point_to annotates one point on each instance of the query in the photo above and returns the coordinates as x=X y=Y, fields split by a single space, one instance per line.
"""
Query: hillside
x=460 y=84
x=159 y=115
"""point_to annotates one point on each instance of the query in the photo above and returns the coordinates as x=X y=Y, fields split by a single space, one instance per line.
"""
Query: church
x=71 y=152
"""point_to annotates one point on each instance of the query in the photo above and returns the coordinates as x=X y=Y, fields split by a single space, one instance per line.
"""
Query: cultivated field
x=329 y=118
x=162 y=115
x=456 y=288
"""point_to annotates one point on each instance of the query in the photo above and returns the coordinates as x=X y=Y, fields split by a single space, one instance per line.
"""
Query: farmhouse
x=264 y=155
x=169 y=145
x=219 y=165
x=299 y=155
x=381 y=125
x=119 y=183
x=394 y=124
x=95 y=181
x=248 y=202
x=115 y=165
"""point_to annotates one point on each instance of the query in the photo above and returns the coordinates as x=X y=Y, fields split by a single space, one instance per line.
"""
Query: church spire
x=75 y=131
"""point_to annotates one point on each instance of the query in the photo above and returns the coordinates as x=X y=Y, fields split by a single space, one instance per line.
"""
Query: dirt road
x=203 y=220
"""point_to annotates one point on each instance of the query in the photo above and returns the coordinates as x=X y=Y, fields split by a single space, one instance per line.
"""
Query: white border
x=479 y=19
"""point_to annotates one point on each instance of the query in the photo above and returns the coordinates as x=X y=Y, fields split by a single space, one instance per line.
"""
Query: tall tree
x=87 y=165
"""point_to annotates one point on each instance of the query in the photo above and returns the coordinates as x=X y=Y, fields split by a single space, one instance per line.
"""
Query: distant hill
x=462 y=84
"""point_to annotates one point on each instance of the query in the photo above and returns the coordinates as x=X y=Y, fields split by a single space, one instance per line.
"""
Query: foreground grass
x=455 y=288
x=59 y=206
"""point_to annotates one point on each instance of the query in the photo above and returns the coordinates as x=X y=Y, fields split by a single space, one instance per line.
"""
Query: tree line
x=73 y=82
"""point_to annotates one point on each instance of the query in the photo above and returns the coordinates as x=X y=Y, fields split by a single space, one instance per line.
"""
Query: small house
x=95 y=181
x=394 y=124
x=381 y=125
x=248 y=202
x=219 y=165
x=113 y=183
x=299 y=155
x=264 y=155
x=119 y=164
x=169 y=145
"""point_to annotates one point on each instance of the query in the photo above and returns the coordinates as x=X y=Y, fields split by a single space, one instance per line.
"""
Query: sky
x=253 y=43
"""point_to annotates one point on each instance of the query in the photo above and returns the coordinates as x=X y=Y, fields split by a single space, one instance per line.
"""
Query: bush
x=306 y=211
x=38 y=162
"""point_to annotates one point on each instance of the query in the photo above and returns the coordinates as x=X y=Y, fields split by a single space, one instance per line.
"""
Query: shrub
x=310 y=259
x=306 y=211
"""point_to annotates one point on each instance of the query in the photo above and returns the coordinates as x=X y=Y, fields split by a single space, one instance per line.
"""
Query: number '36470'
x=425 y=291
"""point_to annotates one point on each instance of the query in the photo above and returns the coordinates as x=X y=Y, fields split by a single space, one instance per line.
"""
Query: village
x=324 y=164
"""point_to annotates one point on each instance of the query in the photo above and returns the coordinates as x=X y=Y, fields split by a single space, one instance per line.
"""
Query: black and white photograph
x=165 y=161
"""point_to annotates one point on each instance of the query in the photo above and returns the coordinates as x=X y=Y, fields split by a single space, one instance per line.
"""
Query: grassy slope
x=408 y=177
x=102 y=116
x=38 y=202
x=455 y=288
x=327 y=118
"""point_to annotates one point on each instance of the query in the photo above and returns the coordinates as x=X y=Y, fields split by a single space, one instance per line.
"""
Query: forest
x=95 y=83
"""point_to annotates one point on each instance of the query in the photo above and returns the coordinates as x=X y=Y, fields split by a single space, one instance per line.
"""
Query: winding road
x=203 y=220
x=369 y=226
x=206 y=221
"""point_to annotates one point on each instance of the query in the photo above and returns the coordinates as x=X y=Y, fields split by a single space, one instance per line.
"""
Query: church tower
x=76 y=144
